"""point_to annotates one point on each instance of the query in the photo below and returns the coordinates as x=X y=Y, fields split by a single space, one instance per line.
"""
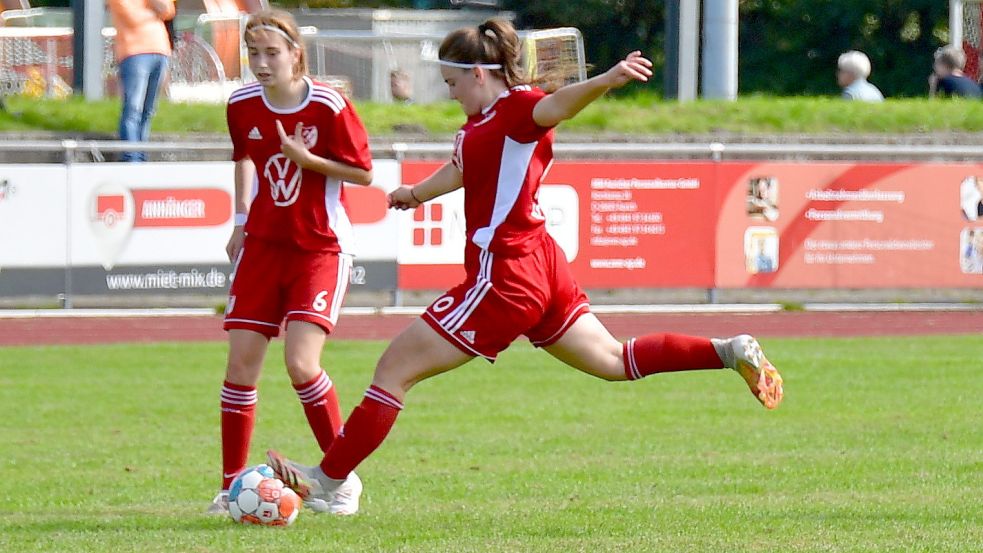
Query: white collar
x=486 y=109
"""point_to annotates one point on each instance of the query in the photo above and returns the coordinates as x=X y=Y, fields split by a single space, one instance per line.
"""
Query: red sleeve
x=238 y=144
x=522 y=127
x=349 y=141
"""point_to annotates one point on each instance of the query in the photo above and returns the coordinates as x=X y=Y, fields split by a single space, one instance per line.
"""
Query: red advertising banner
x=703 y=224
x=844 y=225
x=642 y=223
x=622 y=225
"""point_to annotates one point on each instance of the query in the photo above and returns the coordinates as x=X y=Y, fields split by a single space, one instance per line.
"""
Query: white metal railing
x=711 y=150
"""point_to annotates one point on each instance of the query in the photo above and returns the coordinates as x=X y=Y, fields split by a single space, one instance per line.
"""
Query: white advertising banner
x=117 y=214
x=33 y=216
x=150 y=213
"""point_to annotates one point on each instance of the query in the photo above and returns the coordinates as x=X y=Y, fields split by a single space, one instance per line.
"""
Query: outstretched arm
x=446 y=179
x=569 y=100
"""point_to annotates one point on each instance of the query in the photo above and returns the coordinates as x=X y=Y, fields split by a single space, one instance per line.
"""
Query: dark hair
x=494 y=41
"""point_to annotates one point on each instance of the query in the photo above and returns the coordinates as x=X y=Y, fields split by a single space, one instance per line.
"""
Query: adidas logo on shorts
x=468 y=335
x=254 y=134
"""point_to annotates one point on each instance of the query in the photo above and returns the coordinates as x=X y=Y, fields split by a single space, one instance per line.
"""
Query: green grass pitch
x=878 y=447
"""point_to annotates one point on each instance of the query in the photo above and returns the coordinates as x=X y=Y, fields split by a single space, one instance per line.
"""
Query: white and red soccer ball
x=257 y=496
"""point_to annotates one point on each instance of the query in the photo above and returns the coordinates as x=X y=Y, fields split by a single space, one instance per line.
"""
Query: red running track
x=80 y=330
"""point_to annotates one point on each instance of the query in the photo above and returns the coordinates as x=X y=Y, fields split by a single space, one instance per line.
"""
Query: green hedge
x=641 y=115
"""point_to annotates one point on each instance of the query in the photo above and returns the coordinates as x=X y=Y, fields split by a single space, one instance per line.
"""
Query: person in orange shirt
x=142 y=51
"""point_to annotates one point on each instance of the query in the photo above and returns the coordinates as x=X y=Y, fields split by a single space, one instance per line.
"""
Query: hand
x=402 y=198
x=633 y=67
x=235 y=243
x=293 y=146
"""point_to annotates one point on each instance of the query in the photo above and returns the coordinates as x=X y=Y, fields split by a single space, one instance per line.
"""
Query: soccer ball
x=257 y=496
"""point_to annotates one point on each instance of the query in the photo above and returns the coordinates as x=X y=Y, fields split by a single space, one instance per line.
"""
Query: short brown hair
x=494 y=41
x=285 y=22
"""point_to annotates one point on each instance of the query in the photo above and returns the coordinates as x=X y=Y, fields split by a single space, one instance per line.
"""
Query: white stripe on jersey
x=332 y=97
x=249 y=91
x=264 y=323
x=257 y=94
x=246 y=88
x=311 y=313
x=453 y=321
x=464 y=345
x=341 y=287
x=516 y=157
x=474 y=305
x=326 y=101
x=338 y=220
x=235 y=264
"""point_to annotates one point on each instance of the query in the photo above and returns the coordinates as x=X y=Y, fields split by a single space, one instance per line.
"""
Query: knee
x=392 y=376
x=301 y=368
x=611 y=366
x=242 y=370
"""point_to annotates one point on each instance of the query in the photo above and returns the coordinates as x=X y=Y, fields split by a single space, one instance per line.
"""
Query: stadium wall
x=149 y=233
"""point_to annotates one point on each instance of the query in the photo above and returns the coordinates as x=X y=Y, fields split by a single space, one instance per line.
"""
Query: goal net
x=967 y=26
x=554 y=57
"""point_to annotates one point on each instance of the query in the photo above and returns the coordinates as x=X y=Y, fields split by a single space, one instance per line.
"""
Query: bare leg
x=246 y=352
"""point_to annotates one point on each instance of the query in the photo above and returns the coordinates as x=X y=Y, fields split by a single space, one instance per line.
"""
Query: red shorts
x=503 y=298
x=271 y=283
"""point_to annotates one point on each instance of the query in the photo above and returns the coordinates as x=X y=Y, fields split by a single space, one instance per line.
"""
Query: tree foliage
x=791 y=47
x=611 y=28
x=786 y=46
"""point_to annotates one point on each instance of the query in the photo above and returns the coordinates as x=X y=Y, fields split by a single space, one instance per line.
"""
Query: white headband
x=279 y=31
x=462 y=65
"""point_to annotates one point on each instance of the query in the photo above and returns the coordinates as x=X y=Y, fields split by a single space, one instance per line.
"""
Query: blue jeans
x=140 y=76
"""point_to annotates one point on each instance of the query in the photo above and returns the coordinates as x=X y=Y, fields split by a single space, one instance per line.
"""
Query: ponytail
x=494 y=42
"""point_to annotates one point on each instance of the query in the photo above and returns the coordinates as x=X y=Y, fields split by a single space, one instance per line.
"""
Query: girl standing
x=294 y=142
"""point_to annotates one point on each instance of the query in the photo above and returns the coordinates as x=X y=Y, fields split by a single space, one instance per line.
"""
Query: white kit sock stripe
x=239 y=401
x=316 y=383
x=238 y=393
x=382 y=398
x=632 y=368
x=314 y=392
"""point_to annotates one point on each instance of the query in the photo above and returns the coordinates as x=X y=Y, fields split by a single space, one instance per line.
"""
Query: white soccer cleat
x=317 y=491
x=345 y=501
x=761 y=376
x=219 y=505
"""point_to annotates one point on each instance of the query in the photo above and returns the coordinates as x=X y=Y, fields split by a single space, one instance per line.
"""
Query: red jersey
x=504 y=155
x=301 y=208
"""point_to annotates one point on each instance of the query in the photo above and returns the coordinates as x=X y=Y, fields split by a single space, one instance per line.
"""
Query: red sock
x=364 y=431
x=238 y=419
x=321 y=407
x=660 y=353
